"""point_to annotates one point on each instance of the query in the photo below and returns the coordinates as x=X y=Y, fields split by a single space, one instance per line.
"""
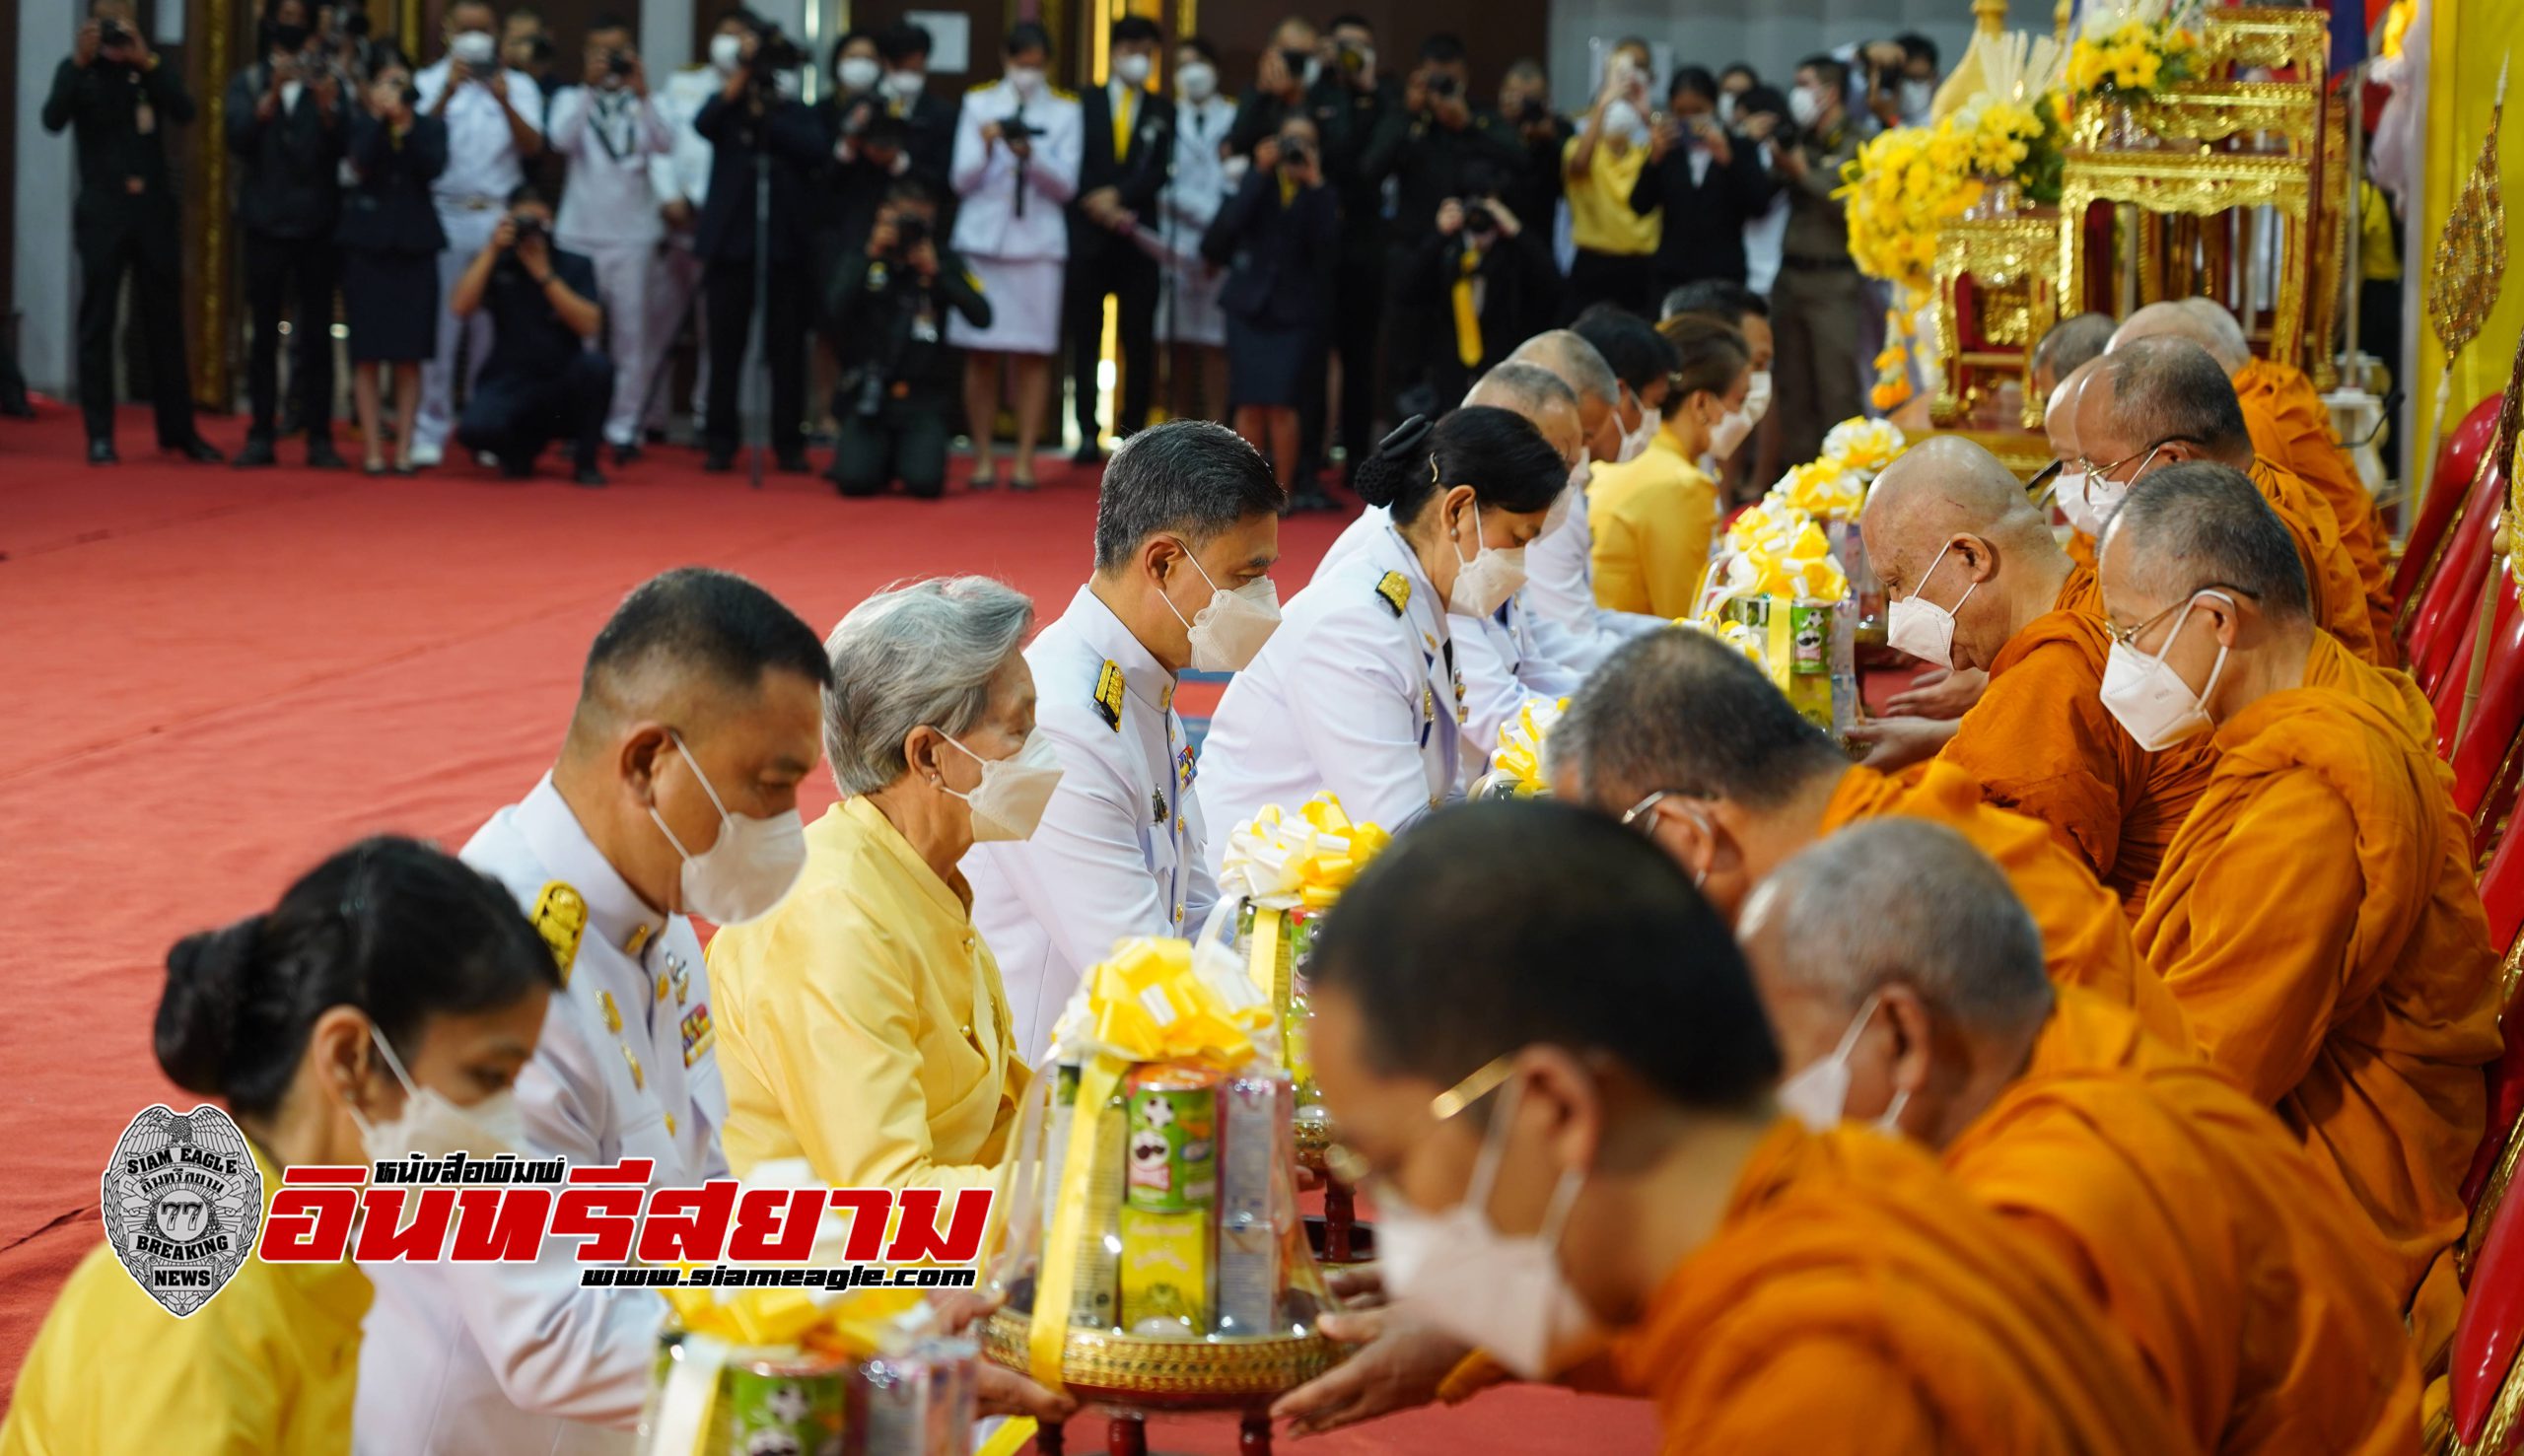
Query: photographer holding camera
x=612 y=132
x=755 y=123
x=1490 y=277
x=1281 y=234
x=542 y=380
x=1525 y=105
x=284 y=124
x=1707 y=182
x=114 y=96
x=891 y=306
x=390 y=241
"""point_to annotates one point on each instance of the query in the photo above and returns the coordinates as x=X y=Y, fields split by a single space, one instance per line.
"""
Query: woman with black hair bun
x=1358 y=692
x=380 y=1010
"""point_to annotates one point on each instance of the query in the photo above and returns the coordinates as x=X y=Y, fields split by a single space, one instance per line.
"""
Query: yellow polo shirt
x=1599 y=214
x=1653 y=520
x=861 y=1025
x=268 y=1368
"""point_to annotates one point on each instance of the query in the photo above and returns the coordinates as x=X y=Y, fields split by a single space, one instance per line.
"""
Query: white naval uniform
x=682 y=174
x=464 y=1358
x=1560 y=590
x=471 y=197
x=1357 y=693
x=1119 y=850
x=1189 y=313
x=1011 y=226
x=609 y=212
x=1506 y=660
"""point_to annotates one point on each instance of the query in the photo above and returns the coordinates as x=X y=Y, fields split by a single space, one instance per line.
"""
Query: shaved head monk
x=1693 y=747
x=2159 y=402
x=1949 y=525
x=1531 y=1028
x=2069 y=343
x=2257 y=1297
x=2291 y=426
x=2316 y=914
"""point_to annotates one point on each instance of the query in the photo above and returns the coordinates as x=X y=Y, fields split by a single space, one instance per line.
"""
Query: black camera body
x=1479 y=221
x=111 y=33
x=776 y=53
x=622 y=62
x=1445 y=86
x=527 y=226
x=1295 y=150
x=1354 y=58
x=1019 y=129
x=910 y=232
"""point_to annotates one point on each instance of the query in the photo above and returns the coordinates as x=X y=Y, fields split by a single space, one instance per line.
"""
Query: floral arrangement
x=1521 y=739
x=1863 y=447
x=2134 y=56
x=1900 y=189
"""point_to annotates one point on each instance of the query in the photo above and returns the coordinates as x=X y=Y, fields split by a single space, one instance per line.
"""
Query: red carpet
x=222 y=675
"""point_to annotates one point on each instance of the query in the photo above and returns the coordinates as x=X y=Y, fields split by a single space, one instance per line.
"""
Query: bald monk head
x=2203 y=321
x=1578 y=365
x=1534 y=981
x=1898 y=950
x=1950 y=527
x=2152 y=404
x=2072 y=342
x=1689 y=743
x=2199 y=576
x=1542 y=396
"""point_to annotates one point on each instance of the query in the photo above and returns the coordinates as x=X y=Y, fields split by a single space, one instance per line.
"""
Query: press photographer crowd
x=530 y=254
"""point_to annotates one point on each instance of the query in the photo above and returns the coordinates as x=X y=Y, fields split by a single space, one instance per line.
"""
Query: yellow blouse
x=1652 y=522
x=268 y=1368
x=1600 y=219
x=861 y=1025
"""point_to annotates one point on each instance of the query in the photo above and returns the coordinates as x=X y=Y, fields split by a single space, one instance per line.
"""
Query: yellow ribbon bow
x=1283 y=862
x=1826 y=487
x=1151 y=1003
x=1521 y=740
x=859 y=1323
x=1863 y=446
x=1798 y=568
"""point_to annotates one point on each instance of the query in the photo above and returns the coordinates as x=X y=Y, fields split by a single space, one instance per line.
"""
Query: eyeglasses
x=1644 y=808
x=2038 y=489
x=2128 y=636
x=2105 y=471
x=1350 y=1168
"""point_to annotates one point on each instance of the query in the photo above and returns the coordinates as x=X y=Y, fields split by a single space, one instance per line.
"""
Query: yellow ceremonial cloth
x=267 y=1368
x=2291 y=426
x=2318 y=919
x=1855 y=1300
x=1600 y=219
x=861 y=1025
x=2339 y=594
x=1653 y=520
x=2259 y=1299
x=1467 y=313
x=2040 y=742
x=2085 y=939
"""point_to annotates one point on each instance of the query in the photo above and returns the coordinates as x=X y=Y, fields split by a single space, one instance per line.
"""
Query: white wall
x=1771 y=35
x=44 y=179
x=666 y=36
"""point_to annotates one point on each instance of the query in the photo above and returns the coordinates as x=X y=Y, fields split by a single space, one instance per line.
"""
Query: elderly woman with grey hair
x=861 y=1025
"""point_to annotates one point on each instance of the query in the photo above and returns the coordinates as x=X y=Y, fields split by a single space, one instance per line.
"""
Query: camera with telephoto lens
x=776 y=53
x=1479 y=221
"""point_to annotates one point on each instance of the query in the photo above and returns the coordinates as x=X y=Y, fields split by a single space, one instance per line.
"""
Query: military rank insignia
x=1108 y=695
x=1185 y=767
x=561 y=917
x=1394 y=590
x=698 y=1033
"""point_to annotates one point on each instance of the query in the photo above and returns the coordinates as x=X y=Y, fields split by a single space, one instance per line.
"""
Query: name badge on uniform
x=924 y=326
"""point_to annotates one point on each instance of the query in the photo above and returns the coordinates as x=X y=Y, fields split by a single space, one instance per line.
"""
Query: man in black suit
x=1127 y=146
x=1708 y=182
x=116 y=99
x=286 y=129
x=929 y=122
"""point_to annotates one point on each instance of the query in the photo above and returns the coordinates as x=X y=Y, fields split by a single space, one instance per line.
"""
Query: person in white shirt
x=1359 y=691
x=610 y=130
x=1615 y=352
x=1188 y=319
x=675 y=793
x=1017 y=147
x=1186 y=529
x=490 y=135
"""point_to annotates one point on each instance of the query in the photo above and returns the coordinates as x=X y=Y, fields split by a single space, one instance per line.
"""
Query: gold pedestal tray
x=1215 y=1373
x=1313 y=1139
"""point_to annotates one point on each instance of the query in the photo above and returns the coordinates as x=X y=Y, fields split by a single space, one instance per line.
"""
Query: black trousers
x=280 y=272
x=514 y=415
x=1130 y=277
x=1408 y=328
x=729 y=295
x=135 y=236
x=905 y=440
x=1621 y=279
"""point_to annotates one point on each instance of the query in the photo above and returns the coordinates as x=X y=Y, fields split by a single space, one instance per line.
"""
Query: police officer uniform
x=1357 y=692
x=467 y=1357
x=610 y=213
x=1118 y=851
x=1011 y=218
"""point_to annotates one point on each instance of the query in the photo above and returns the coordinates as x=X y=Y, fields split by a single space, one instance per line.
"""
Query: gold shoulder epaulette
x=979 y=86
x=1395 y=590
x=561 y=917
x=1108 y=694
x=1064 y=94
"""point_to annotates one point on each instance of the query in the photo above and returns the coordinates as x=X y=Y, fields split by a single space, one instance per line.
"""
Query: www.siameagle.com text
x=730 y=1277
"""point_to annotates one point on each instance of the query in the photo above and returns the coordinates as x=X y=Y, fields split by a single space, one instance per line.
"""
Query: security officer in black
x=1367 y=97
x=1126 y=151
x=119 y=98
x=286 y=129
x=900 y=381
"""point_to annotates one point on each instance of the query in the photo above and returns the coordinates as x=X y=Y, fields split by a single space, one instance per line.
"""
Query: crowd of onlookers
x=517 y=244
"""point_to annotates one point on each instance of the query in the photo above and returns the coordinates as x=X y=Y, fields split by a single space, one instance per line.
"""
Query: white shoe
x=426 y=454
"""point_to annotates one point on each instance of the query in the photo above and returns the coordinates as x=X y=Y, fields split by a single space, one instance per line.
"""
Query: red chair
x=2458 y=464
x=2493 y=1165
x=2485 y=1341
x=2448 y=693
x=2451 y=597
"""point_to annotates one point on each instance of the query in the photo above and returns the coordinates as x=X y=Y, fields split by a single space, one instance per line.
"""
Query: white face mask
x=1197 y=80
x=1634 y=440
x=1729 y=432
x=431 y=1126
x=906 y=83
x=1521 y=1308
x=1920 y=627
x=1621 y=119
x=1010 y=801
x=1567 y=501
x=1918 y=96
x=1819 y=1094
x=473 y=47
x=1756 y=395
x=2150 y=699
x=1132 y=69
x=2068 y=493
x=1226 y=632
x=857 y=72
x=1803 y=106
x=727 y=53
x=1026 y=81
x=748 y=869
x=1485 y=581
x=1726 y=107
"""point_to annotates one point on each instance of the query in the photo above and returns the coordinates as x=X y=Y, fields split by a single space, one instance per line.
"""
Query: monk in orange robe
x=2317 y=915
x=1513 y=971
x=2264 y=1308
x=1948 y=523
x=2160 y=401
x=1692 y=744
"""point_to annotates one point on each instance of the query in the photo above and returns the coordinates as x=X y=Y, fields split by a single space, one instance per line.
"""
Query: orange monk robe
x=2330 y=575
x=2040 y=742
x=2085 y=938
x=2318 y=919
x=1855 y=1300
x=2279 y=399
x=2259 y=1298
